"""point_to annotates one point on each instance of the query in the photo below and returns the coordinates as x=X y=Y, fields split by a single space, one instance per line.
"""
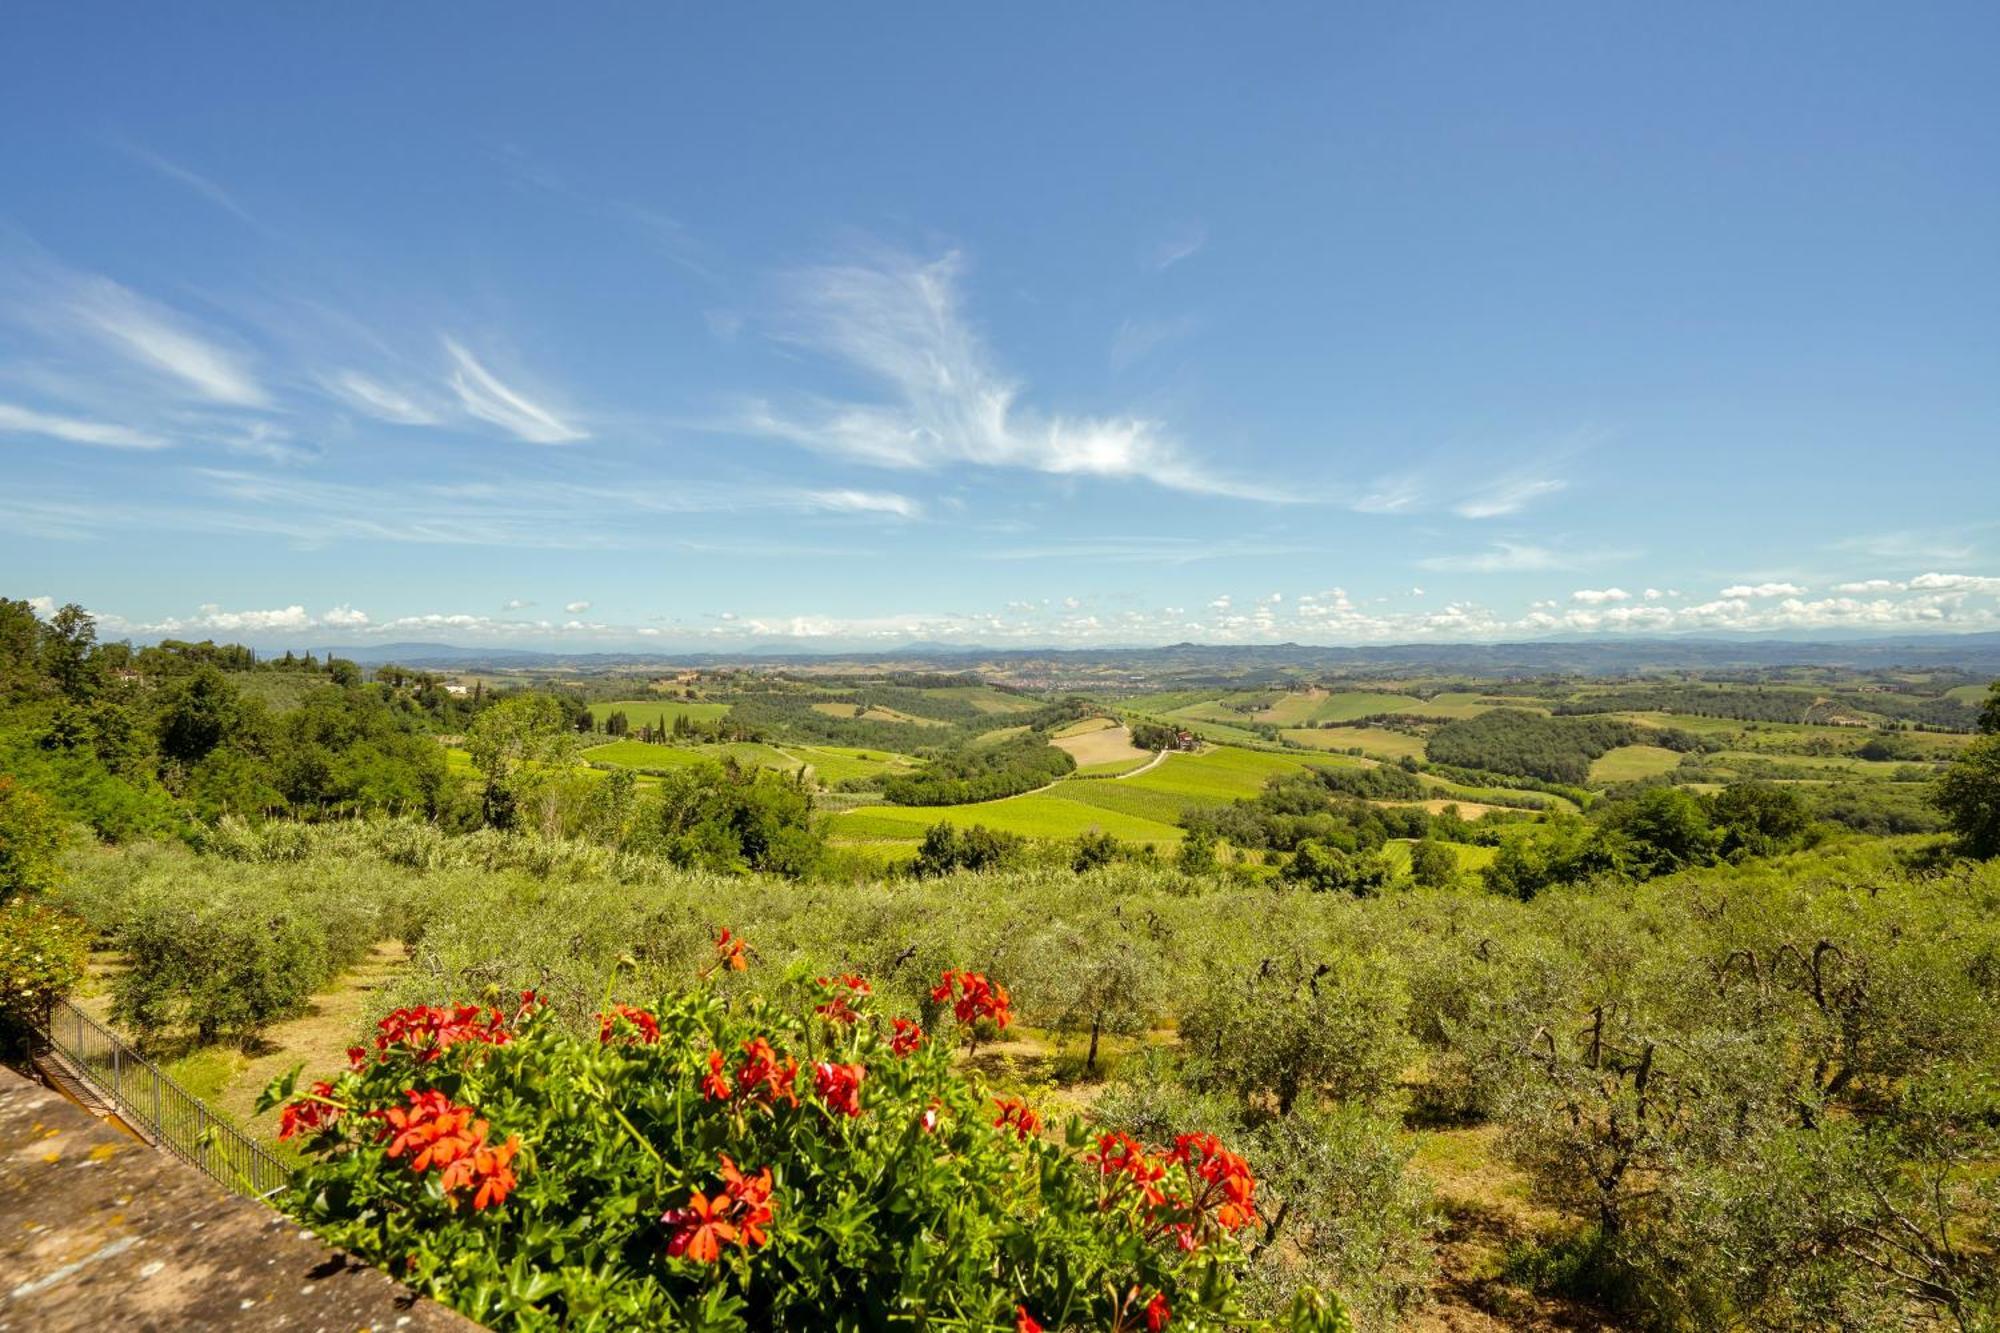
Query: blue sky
x=686 y=327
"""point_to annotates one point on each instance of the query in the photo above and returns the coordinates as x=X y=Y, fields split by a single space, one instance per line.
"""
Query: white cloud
x=484 y=396
x=1653 y=594
x=1979 y=583
x=23 y=421
x=865 y=502
x=574 y=607
x=515 y=604
x=378 y=400
x=1743 y=590
x=1507 y=497
x=1599 y=596
x=155 y=337
x=344 y=617
x=193 y=180
x=1503 y=558
x=898 y=322
x=1871 y=585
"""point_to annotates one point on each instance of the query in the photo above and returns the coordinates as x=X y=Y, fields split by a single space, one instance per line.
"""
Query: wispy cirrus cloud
x=1137 y=339
x=188 y=177
x=485 y=396
x=1183 y=240
x=24 y=421
x=381 y=401
x=148 y=334
x=897 y=320
x=1509 y=496
x=1500 y=558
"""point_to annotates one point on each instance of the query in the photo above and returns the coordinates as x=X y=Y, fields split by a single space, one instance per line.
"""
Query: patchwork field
x=657 y=710
x=834 y=764
x=1630 y=763
x=1108 y=744
x=1376 y=742
x=641 y=756
x=1041 y=815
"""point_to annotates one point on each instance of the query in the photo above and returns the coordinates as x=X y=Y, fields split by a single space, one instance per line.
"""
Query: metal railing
x=170 y=1115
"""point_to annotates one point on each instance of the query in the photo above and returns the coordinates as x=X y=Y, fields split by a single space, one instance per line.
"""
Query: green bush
x=703 y=1164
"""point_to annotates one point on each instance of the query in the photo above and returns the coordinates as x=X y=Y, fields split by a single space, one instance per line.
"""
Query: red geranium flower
x=839 y=1086
x=701 y=1229
x=908 y=1037
x=978 y=997
x=308 y=1112
x=1025 y=1322
x=1158 y=1316
x=762 y=1074
x=1015 y=1114
x=715 y=1084
x=647 y=1027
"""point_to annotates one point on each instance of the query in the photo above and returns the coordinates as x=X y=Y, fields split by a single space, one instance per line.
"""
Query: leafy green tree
x=31 y=841
x=1197 y=852
x=66 y=643
x=1968 y=793
x=1661 y=830
x=20 y=649
x=197 y=714
x=43 y=953
x=526 y=748
x=1434 y=865
x=1327 y=869
x=1989 y=712
x=733 y=819
x=1758 y=819
x=1097 y=977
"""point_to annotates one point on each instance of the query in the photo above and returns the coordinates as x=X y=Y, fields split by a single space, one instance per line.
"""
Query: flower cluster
x=1016 y=1115
x=643 y=1027
x=760 y=1076
x=427 y=1031
x=1215 y=1191
x=976 y=997
x=312 y=1112
x=907 y=1037
x=838 y=1007
x=736 y=1214
x=730 y=952
x=434 y=1131
x=839 y=1086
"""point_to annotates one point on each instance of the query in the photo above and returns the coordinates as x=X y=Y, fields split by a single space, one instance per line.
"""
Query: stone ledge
x=98 y=1231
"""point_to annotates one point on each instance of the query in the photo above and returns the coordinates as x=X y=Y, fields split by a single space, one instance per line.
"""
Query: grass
x=985 y=698
x=1114 y=767
x=1374 y=741
x=662 y=758
x=1630 y=763
x=649 y=712
x=833 y=764
x=1040 y=815
x=1220 y=775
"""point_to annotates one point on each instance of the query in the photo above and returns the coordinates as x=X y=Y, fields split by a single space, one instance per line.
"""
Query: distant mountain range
x=1970 y=652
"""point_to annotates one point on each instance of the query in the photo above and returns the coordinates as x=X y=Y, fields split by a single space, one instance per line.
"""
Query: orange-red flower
x=1025 y=1322
x=308 y=1112
x=762 y=1074
x=702 y=1228
x=730 y=951
x=486 y=1170
x=977 y=997
x=735 y=1215
x=435 y=1131
x=839 y=1086
x=1158 y=1316
x=1121 y=1159
x=837 y=1008
x=908 y=1037
x=1226 y=1185
x=715 y=1083
x=1016 y=1115
x=645 y=1027
x=428 y=1031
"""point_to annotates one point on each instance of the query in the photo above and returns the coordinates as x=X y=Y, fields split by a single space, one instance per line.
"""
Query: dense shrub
x=43 y=952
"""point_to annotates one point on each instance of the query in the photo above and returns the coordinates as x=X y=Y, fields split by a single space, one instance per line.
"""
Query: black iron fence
x=170 y=1115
